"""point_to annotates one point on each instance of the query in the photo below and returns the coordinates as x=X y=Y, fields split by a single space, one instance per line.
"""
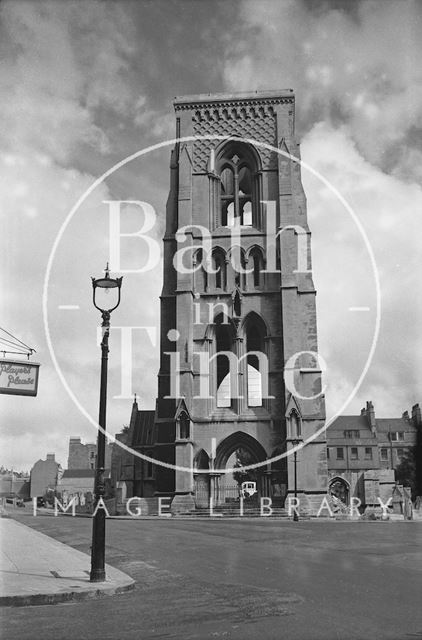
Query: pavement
x=37 y=570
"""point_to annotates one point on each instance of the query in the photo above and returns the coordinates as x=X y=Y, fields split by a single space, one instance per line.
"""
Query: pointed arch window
x=257 y=366
x=219 y=267
x=236 y=194
x=184 y=426
x=257 y=277
x=295 y=425
x=237 y=179
x=224 y=374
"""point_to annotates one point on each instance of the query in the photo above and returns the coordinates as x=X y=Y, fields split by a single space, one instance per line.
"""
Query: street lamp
x=102 y=285
x=295 y=443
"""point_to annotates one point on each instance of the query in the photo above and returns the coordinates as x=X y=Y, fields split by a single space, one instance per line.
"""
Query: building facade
x=363 y=452
x=44 y=476
x=237 y=310
x=83 y=456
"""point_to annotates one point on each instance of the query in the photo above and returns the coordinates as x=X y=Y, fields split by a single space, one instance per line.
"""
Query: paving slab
x=36 y=569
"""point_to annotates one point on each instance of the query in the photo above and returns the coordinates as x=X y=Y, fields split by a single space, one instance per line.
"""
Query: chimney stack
x=416 y=415
x=370 y=414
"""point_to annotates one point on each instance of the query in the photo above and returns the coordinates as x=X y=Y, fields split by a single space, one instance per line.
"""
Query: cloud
x=61 y=81
x=388 y=210
x=57 y=77
x=363 y=69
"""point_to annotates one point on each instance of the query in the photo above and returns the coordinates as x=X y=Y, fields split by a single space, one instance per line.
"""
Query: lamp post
x=105 y=284
x=295 y=443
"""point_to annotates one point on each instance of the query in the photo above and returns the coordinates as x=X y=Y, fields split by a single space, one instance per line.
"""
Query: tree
x=243 y=459
x=406 y=471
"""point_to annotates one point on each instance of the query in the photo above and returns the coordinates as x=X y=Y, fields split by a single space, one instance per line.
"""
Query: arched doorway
x=340 y=489
x=235 y=452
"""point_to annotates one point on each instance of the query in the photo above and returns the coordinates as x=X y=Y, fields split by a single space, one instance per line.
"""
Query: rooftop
x=233 y=97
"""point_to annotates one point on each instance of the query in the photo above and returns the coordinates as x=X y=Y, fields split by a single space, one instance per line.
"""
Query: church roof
x=144 y=428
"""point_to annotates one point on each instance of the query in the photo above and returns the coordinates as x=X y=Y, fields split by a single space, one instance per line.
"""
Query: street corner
x=37 y=570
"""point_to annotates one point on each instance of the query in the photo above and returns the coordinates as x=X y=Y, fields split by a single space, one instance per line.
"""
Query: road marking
x=69 y=307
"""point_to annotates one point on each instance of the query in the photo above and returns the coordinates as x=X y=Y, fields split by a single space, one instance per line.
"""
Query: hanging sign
x=18 y=378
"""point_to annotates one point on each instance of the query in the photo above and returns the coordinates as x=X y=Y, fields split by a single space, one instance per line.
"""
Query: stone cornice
x=204 y=101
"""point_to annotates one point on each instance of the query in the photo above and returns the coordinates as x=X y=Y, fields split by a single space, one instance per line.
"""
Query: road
x=241 y=579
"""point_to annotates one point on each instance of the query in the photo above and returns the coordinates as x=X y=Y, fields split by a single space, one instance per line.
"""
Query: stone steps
x=234 y=512
x=149 y=507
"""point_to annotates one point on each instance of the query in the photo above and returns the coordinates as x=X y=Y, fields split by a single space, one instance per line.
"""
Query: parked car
x=248 y=489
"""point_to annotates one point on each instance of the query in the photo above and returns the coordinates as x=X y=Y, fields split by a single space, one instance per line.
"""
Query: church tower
x=239 y=382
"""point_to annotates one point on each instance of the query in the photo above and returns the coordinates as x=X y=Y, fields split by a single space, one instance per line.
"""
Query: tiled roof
x=349 y=422
x=394 y=424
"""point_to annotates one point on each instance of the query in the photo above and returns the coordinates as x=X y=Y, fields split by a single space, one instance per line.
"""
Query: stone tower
x=239 y=378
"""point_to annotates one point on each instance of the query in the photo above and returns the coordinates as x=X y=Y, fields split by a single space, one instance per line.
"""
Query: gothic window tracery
x=238 y=187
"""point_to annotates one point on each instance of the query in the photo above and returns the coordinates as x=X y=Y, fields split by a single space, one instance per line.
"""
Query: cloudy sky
x=85 y=85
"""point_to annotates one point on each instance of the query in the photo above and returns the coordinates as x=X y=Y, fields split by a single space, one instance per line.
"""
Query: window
x=368 y=453
x=92 y=455
x=352 y=433
x=295 y=425
x=219 y=266
x=400 y=453
x=396 y=435
x=225 y=377
x=340 y=453
x=328 y=453
x=256 y=268
x=236 y=194
x=354 y=453
x=235 y=186
x=184 y=426
x=384 y=454
x=257 y=369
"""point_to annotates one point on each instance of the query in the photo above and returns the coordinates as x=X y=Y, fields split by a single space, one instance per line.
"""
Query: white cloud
x=389 y=211
x=362 y=70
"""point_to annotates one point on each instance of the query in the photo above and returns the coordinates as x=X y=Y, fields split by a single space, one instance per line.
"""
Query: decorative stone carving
x=252 y=120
